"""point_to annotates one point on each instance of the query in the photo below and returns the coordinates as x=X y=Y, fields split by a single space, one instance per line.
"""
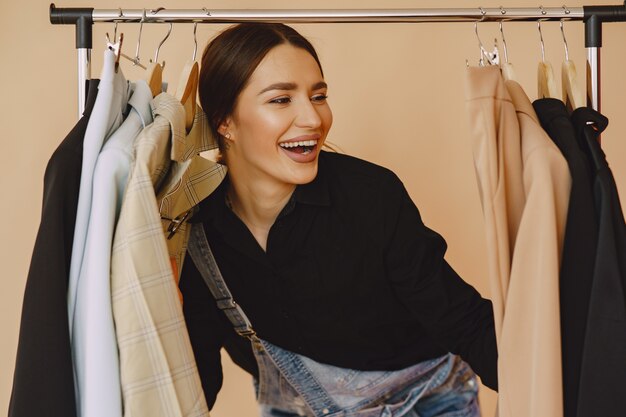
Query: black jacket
x=602 y=389
x=43 y=382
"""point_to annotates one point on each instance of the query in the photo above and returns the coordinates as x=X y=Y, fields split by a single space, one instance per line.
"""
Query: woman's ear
x=224 y=128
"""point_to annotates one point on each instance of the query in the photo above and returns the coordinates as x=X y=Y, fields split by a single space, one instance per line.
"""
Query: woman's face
x=280 y=121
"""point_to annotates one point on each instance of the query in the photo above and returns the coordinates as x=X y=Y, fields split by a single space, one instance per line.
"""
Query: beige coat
x=524 y=186
x=530 y=349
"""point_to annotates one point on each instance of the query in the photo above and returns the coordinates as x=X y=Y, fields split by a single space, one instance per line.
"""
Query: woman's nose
x=308 y=115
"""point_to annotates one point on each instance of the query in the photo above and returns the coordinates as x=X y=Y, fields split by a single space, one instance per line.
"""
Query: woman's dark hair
x=230 y=59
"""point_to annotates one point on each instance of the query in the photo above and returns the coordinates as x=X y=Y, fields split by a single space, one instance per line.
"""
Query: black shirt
x=351 y=277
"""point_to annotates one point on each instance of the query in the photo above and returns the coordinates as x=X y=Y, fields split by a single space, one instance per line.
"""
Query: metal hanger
x=507 y=68
x=195 y=41
x=169 y=31
x=486 y=57
x=136 y=59
x=546 y=85
x=115 y=45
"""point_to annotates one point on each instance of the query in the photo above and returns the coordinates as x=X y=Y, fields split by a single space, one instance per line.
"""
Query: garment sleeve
x=452 y=311
x=206 y=331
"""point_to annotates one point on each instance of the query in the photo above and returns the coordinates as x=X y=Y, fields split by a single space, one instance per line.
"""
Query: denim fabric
x=292 y=385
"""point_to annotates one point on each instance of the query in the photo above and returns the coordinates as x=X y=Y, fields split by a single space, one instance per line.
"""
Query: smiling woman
x=355 y=311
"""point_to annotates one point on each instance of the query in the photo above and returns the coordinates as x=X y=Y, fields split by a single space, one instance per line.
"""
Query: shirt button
x=326 y=411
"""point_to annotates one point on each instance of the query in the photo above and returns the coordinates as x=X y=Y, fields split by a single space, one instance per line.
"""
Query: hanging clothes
x=43 y=382
x=96 y=359
x=525 y=222
x=158 y=371
x=191 y=179
x=602 y=390
x=496 y=147
x=107 y=116
x=579 y=247
x=531 y=335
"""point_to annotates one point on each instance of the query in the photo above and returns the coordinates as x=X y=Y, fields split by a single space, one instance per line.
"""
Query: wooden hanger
x=186 y=91
x=154 y=78
x=572 y=94
x=187 y=88
x=546 y=85
x=154 y=73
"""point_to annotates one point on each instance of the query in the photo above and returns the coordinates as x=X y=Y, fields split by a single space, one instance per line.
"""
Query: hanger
x=507 y=68
x=115 y=45
x=486 y=57
x=572 y=95
x=546 y=85
x=188 y=84
x=154 y=73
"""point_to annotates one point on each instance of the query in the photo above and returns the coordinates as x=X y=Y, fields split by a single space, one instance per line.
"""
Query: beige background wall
x=397 y=94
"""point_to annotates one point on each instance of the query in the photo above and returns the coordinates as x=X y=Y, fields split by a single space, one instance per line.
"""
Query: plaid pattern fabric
x=158 y=371
x=190 y=180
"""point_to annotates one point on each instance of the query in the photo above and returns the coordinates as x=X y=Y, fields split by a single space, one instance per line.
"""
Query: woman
x=352 y=309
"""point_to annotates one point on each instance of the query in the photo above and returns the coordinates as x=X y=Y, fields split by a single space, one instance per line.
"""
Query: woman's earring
x=226 y=142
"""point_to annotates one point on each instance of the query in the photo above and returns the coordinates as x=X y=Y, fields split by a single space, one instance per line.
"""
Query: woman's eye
x=281 y=100
x=319 y=98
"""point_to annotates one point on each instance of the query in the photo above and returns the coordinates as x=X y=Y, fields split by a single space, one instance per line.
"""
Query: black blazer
x=43 y=382
x=602 y=389
x=579 y=246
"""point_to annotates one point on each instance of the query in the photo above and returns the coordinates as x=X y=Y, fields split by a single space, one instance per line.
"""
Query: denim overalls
x=291 y=384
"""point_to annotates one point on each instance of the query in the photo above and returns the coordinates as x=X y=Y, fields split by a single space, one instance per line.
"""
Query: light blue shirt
x=94 y=344
x=106 y=117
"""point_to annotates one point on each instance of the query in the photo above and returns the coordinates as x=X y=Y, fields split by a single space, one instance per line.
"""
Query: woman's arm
x=452 y=311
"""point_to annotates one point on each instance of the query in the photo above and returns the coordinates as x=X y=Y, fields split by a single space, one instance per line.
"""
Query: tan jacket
x=496 y=147
x=524 y=185
x=530 y=347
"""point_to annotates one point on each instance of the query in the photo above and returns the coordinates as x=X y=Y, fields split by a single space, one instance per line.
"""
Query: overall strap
x=198 y=248
x=289 y=364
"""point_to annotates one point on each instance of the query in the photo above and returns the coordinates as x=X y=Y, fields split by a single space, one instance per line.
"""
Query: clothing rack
x=593 y=17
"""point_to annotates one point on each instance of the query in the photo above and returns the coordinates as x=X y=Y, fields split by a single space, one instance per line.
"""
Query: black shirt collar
x=316 y=192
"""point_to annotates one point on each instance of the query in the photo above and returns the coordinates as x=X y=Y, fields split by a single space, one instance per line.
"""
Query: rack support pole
x=84 y=43
x=593 y=43
x=84 y=74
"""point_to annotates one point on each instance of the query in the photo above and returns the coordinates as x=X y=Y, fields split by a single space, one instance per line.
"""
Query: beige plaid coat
x=159 y=376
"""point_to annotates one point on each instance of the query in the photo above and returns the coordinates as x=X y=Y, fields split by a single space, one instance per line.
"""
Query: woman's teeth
x=296 y=144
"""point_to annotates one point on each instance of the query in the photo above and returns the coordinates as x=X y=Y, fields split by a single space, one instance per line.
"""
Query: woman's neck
x=258 y=205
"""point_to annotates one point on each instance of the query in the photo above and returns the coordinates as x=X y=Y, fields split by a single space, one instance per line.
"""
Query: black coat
x=602 y=389
x=43 y=382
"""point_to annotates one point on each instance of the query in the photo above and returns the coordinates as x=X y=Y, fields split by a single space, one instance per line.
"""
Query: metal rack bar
x=593 y=16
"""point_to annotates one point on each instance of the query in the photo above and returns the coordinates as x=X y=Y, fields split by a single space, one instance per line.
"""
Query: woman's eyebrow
x=279 y=86
x=319 y=85
x=291 y=86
